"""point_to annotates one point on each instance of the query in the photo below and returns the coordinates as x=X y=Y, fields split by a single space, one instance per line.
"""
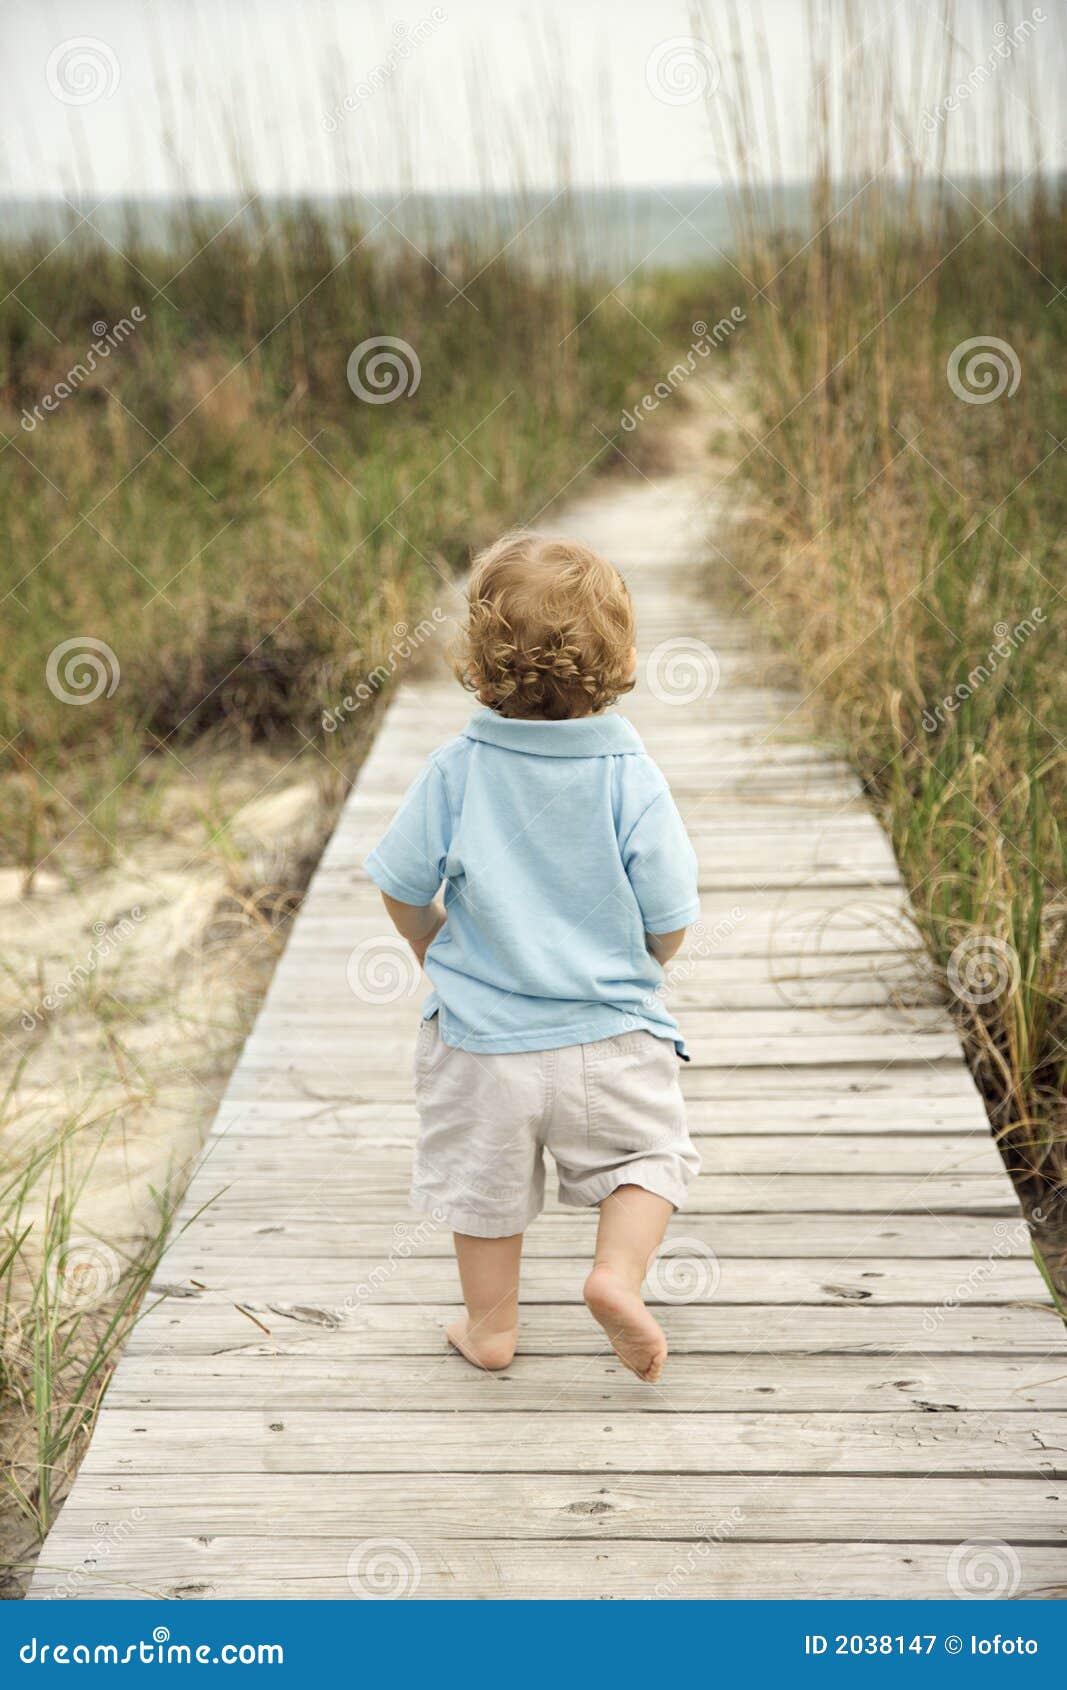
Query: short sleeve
x=661 y=866
x=409 y=863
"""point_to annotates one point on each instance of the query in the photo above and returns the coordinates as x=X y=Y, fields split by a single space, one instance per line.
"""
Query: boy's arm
x=419 y=924
x=663 y=946
x=661 y=866
x=408 y=865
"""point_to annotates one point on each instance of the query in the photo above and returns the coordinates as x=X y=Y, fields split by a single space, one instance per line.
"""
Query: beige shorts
x=611 y=1113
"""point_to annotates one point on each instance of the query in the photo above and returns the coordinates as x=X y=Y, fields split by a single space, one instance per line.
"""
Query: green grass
x=244 y=535
x=66 y=1302
x=218 y=507
x=899 y=530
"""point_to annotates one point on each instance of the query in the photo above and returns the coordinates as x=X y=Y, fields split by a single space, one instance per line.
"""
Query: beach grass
x=903 y=541
x=217 y=528
x=220 y=526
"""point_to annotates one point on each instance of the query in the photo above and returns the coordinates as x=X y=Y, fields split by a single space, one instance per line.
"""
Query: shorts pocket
x=430 y=1048
x=633 y=1099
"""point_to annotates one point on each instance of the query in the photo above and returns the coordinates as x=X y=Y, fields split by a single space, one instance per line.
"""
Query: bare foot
x=636 y=1336
x=491 y=1350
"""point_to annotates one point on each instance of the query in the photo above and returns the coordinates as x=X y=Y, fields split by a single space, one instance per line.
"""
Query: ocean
x=622 y=230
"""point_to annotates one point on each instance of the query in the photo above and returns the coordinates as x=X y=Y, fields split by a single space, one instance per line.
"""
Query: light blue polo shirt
x=559 y=846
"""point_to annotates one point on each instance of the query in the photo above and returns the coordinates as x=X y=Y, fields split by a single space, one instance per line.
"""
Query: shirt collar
x=576 y=736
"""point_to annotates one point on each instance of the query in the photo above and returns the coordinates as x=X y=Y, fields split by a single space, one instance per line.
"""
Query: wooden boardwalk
x=866 y=1376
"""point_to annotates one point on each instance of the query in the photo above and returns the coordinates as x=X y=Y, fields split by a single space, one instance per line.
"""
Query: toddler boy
x=568 y=881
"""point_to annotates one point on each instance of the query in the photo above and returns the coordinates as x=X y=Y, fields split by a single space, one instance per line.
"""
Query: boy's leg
x=632 y=1224
x=489 y=1274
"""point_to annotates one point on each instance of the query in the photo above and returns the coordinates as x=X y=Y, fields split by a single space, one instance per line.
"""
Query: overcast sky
x=139 y=96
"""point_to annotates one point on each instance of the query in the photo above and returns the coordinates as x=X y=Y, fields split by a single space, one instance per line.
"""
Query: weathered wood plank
x=574 y=1507
x=358 y=1179
x=299 y=1327
x=682 y=1275
x=570 y=1232
x=848 y=1115
x=836 y=1085
x=253 y=1570
x=309 y=1441
x=553 y=1384
x=725 y=1153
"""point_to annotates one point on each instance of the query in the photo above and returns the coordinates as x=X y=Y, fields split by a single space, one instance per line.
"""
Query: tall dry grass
x=906 y=541
x=243 y=535
x=215 y=505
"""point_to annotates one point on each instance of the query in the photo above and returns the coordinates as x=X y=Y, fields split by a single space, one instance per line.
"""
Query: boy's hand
x=663 y=946
x=419 y=924
x=421 y=946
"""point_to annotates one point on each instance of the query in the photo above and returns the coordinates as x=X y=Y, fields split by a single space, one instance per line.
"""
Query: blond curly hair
x=550 y=629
